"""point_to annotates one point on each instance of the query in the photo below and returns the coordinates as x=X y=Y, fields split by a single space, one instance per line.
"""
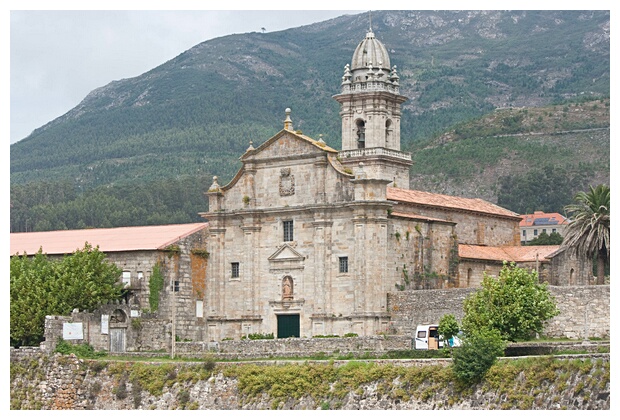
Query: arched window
x=361 y=134
x=571 y=278
x=118 y=316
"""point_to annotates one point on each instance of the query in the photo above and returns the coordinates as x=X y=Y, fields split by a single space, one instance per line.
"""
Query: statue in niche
x=287 y=288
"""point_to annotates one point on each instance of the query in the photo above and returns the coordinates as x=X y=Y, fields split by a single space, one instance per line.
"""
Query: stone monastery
x=310 y=241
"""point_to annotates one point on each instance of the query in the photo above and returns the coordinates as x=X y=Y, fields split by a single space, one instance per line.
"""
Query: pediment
x=286 y=253
x=284 y=145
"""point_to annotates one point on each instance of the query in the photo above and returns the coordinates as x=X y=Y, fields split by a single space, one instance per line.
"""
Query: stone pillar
x=250 y=272
x=216 y=272
x=322 y=265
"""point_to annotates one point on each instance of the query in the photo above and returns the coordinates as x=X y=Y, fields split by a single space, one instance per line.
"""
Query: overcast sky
x=58 y=56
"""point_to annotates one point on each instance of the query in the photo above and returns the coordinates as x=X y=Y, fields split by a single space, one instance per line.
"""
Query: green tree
x=588 y=231
x=448 y=327
x=40 y=286
x=545 y=239
x=515 y=304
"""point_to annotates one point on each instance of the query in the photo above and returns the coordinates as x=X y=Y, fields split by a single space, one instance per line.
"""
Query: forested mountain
x=193 y=116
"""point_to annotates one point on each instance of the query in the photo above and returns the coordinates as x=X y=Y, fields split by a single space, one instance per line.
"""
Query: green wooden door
x=288 y=326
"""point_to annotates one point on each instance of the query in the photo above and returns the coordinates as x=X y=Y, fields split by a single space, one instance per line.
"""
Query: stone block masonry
x=584 y=310
x=56 y=382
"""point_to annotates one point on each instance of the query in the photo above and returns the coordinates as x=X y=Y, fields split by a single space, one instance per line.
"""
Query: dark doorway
x=288 y=326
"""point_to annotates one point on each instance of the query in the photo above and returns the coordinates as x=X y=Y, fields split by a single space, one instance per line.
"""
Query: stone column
x=250 y=273
x=322 y=265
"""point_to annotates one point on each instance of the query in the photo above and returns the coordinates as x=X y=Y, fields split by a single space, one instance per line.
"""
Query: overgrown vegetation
x=518 y=383
x=258 y=336
x=330 y=384
x=41 y=286
x=156 y=285
x=80 y=350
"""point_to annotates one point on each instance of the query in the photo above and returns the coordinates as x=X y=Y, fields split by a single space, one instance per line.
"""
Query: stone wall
x=43 y=382
x=584 y=313
x=141 y=332
x=298 y=347
x=584 y=310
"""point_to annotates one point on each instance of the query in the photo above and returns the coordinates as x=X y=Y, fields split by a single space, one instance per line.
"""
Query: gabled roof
x=134 y=238
x=507 y=253
x=540 y=218
x=447 y=201
x=318 y=144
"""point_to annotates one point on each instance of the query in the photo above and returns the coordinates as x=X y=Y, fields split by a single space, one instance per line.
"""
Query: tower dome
x=370 y=52
x=370 y=110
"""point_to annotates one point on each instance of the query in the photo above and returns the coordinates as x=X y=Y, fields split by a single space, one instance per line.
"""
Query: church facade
x=307 y=240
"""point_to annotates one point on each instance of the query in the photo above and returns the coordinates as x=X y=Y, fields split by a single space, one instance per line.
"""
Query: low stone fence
x=297 y=347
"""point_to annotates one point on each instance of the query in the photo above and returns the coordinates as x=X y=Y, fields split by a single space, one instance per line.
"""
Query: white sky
x=58 y=56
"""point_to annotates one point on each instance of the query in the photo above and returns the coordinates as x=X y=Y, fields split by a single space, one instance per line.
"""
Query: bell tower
x=370 y=110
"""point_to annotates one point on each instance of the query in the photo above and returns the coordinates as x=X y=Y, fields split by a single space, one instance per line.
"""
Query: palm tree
x=588 y=230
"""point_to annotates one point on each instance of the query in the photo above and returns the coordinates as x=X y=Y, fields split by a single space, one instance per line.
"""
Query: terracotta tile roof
x=540 y=218
x=507 y=253
x=417 y=217
x=132 y=238
x=450 y=202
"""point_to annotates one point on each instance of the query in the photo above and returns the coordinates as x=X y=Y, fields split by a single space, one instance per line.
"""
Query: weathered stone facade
x=306 y=240
x=565 y=269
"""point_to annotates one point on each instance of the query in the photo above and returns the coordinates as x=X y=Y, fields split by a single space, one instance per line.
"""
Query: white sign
x=199 y=309
x=105 y=319
x=135 y=313
x=72 y=331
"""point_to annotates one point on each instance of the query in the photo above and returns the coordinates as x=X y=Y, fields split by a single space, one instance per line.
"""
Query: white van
x=427 y=338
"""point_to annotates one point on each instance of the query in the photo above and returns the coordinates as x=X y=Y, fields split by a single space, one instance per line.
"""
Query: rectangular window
x=524 y=234
x=343 y=264
x=544 y=230
x=175 y=286
x=535 y=232
x=288 y=230
x=234 y=270
x=553 y=230
x=126 y=278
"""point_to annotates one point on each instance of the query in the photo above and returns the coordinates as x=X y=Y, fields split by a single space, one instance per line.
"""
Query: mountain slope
x=524 y=159
x=195 y=114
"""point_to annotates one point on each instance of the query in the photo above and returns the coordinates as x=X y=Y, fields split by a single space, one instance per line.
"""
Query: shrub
x=476 y=355
x=80 y=350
